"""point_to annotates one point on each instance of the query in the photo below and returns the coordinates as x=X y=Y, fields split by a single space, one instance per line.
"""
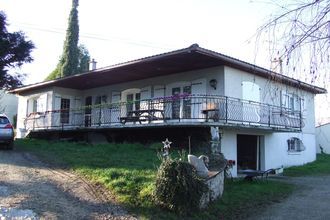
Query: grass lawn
x=129 y=171
x=319 y=167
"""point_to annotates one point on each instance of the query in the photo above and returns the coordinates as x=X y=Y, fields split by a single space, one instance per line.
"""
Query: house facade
x=265 y=120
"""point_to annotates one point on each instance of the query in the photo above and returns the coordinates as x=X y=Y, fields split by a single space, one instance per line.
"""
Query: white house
x=322 y=133
x=8 y=105
x=265 y=120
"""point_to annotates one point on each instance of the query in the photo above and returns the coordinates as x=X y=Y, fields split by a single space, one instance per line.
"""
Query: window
x=65 y=111
x=295 y=145
x=101 y=99
x=291 y=102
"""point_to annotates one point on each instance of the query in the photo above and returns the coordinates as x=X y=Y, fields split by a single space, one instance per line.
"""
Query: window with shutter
x=295 y=145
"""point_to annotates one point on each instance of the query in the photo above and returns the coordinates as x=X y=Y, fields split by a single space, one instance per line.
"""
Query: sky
x=117 y=31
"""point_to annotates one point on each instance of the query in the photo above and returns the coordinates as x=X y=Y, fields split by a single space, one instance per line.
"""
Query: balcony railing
x=201 y=109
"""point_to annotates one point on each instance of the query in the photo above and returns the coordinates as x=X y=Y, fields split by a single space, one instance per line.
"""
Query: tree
x=15 y=50
x=69 y=61
x=299 y=36
x=83 y=59
x=83 y=64
x=70 y=51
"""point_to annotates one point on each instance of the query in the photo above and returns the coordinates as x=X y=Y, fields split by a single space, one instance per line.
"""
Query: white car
x=6 y=132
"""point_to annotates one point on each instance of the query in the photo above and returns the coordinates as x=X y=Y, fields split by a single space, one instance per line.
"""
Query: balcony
x=180 y=110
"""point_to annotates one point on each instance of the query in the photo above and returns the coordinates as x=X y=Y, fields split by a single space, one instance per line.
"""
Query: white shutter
x=145 y=97
x=42 y=103
x=57 y=102
x=115 y=107
x=56 y=113
x=158 y=101
x=146 y=93
x=78 y=116
x=49 y=101
x=198 y=103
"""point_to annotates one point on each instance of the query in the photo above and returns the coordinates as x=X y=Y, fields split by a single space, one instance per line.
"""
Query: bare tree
x=298 y=36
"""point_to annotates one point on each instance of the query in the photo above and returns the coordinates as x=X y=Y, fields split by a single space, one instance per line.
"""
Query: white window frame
x=291 y=101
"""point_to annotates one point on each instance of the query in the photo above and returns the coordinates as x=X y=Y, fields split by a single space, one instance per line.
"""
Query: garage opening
x=248 y=152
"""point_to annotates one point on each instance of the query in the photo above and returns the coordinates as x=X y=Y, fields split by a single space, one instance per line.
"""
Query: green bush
x=178 y=188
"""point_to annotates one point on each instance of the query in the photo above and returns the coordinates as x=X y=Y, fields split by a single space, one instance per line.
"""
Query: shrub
x=178 y=188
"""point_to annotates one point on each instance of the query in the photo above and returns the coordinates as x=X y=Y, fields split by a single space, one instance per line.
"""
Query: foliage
x=70 y=55
x=83 y=64
x=83 y=59
x=298 y=35
x=15 y=50
x=74 y=58
x=129 y=172
x=178 y=187
x=319 y=167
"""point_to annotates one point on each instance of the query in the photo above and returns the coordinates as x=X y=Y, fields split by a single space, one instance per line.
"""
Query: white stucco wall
x=276 y=150
x=229 y=147
x=323 y=138
x=23 y=107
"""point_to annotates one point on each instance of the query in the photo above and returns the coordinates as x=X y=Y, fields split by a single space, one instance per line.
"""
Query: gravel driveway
x=310 y=200
x=29 y=189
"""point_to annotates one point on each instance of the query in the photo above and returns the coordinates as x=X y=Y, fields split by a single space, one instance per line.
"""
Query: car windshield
x=4 y=120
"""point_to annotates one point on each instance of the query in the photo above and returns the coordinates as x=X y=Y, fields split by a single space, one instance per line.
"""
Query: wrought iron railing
x=184 y=108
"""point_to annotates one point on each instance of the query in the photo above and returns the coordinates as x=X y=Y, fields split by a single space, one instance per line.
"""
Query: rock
x=215 y=186
x=217 y=162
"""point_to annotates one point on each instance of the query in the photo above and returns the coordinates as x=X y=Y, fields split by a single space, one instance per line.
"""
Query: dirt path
x=29 y=189
x=310 y=200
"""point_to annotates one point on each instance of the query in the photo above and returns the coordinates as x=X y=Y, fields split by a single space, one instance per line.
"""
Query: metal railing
x=183 y=108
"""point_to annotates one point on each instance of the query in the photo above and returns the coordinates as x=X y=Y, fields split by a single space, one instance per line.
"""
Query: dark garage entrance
x=247 y=152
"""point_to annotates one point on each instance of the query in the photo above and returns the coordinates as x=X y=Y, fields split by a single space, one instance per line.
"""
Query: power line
x=96 y=37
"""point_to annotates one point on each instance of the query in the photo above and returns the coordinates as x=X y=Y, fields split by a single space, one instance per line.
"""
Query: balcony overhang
x=187 y=59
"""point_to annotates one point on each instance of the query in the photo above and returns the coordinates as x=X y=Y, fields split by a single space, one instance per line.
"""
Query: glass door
x=181 y=102
x=65 y=111
x=133 y=102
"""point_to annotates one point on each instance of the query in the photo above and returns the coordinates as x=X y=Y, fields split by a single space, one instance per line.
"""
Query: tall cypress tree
x=69 y=60
x=70 y=56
